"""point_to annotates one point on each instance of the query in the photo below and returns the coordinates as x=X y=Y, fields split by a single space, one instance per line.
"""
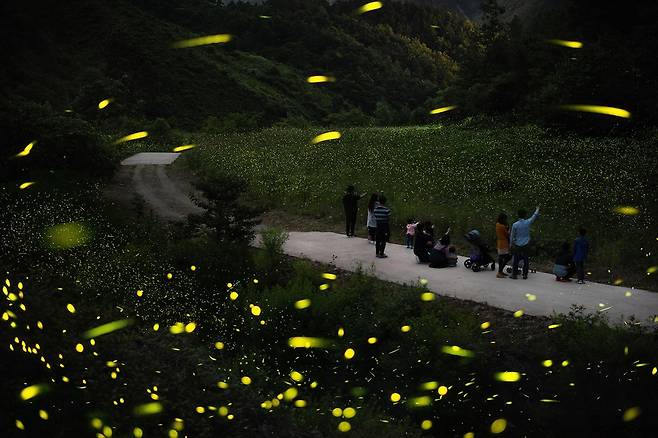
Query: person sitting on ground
x=371 y=222
x=423 y=243
x=580 y=250
x=440 y=255
x=564 y=267
x=410 y=231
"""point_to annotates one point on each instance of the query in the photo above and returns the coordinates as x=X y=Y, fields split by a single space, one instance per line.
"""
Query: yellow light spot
x=20 y=425
x=173 y=433
x=26 y=151
x=372 y=340
x=303 y=304
x=518 y=313
x=32 y=391
x=177 y=328
x=313 y=385
x=531 y=297
x=219 y=345
x=79 y=348
x=290 y=394
x=628 y=293
x=170 y=276
x=233 y=296
x=203 y=41
x=323 y=286
x=349 y=353
x=156 y=327
x=395 y=397
x=70 y=308
x=200 y=409
x=192 y=268
x=182 y=148
x=618 y=281
x=469 y=435
x=547 y=363
x=371 y=6
x=222 y=411
x=148 y=409
x=131 y=137
x=654 y=371
x=327 y=136
x=349 y=412
x=499 y=426
x=255 y=310
x=457 y=351
x=266 y=404
x=103 y=103
x=508 y=376
x=554 y=326
x=341 y=332
x=426 y=425
x=443 y=109
x=337 y=412
x=652 y=270
x=107 y=328
x=569 y=44
x=222 y=385
x=344 y=426
x=96 y=423
x=189 y=327
x=140 y=293
x=405 y=328
x=329 y=276
x=246 y=380
x=631 y=414
x=43 y=414
x=26 y=185
x=427 y=296
x=597 y=109
x=307 y=342
x=420 y=402
x=443 y=390
x=320 y=79
x=485 y=325
x=138 y=433
x=300 y=403
x=296 y=376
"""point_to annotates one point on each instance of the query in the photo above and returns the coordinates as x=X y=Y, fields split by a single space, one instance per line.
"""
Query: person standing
x=382 y=215
x=580 y=250
x=351 y=205
x=371 y=223
x=520 y=239
x=410 y=231
x=502 y=244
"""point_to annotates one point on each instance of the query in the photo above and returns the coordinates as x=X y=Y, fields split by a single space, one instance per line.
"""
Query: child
x=580 y=250
x=563 y=268
x=411 y=231
x=371 y=223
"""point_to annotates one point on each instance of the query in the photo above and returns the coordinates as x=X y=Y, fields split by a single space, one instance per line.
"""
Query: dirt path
x=153 y=179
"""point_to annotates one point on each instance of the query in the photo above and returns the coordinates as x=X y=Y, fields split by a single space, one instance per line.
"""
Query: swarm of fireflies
x=203 y=41
x=371 y=6
x=597 y=109
x=327 y=136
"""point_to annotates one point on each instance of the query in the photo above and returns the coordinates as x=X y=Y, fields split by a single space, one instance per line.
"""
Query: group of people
x=511 y=242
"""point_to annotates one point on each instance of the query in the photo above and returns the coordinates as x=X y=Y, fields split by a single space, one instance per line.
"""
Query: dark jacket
x=351 y=201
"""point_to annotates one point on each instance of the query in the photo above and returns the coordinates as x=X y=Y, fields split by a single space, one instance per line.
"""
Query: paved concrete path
x=147 y=175
x=401 y=267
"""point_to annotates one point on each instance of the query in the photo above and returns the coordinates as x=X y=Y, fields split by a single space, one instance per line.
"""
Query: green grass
x=462 y=176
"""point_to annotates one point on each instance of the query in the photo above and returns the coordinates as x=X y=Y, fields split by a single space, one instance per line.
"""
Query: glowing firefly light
x=27 y=184
x=189 y=327
x=554 y=326
x=349 y=353
x=255 y=310
x=569 y=44
x=203 y=41
x=349 y=412
x=395 y=397
x=107 y=328
x=443 y=109
x=426 y=425
x=597 y=109
x=320 y=79
x=327 y=136
x=508 y=376
x=427 y=296
x=372 y=340
x=485 y=325
x=177 y=328
x=148 y=409
x=531 y=297
x=26 y=151
x=307 y=342
x=103 y=103
x=185 y=147
x=32 y=391
x=518 y=313
x=79 y=348
x=368 y=7
x=499 y=426
x=631 y=414
x=405 y=328
x=337 y=412
x=296 y=376
x=420 y=402
x=70 y=307
x=131 y=137
x=290 y=394
x=547 y=363
x=344 y=426
x=457 y=351
x=219 y=345
x=303 y=304
x=443 y=390
x=246 y=380
x=329 y=276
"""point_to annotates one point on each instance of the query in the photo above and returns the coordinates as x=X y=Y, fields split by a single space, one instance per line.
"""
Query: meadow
x=462 y=175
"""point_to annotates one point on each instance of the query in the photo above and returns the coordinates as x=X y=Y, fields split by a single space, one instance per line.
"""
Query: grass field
x=462 y=176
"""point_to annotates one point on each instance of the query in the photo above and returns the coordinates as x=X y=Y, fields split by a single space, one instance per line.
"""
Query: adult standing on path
x=520 y=239
x=382 y=215
x=502 y=244
x=371 y=223
x=351 y=205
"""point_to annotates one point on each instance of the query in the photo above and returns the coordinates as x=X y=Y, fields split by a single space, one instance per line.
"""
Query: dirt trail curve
x=169 y=197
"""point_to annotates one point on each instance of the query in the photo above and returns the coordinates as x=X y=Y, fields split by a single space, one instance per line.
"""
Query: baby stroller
x=479 y=257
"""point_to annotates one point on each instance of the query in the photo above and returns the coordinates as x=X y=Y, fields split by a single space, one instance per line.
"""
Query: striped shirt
x=381 y=213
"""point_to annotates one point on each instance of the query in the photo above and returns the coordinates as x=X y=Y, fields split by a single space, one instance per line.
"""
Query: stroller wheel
x=493 y=266
x=476 y=267
x=508 y=269
x=468 y=263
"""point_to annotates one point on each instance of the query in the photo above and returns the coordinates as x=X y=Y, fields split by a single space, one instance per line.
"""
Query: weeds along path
x=168 y=196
